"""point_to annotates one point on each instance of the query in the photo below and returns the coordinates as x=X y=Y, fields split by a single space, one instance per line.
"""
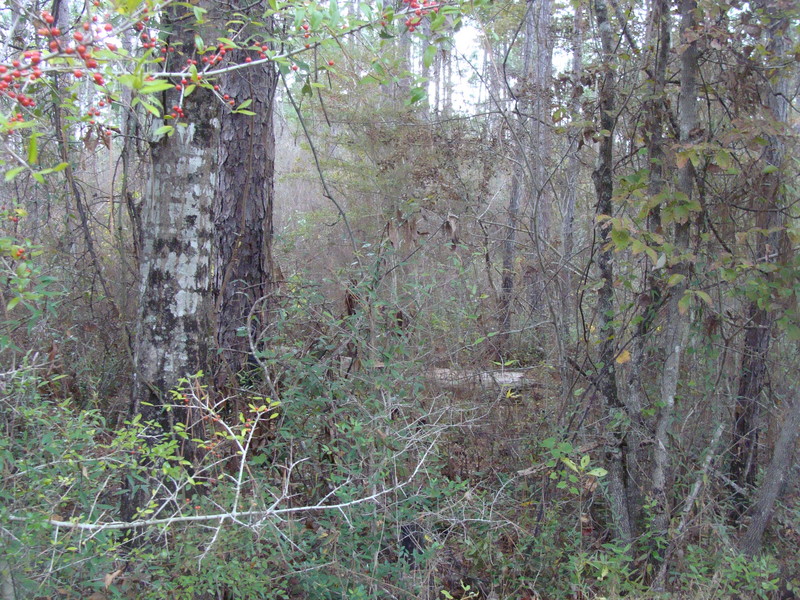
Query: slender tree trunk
x=655 y=111
x=509 y=254
x=677 y=320
x=603 y=178
x=775 y=479
x=567 y=309
x=518 y=180
x=541 y=73
x=243 y=209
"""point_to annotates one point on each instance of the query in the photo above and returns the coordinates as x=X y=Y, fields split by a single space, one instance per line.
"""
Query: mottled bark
x=677 y=320
x=172 y=327
x=603 y=178
x=243 y=209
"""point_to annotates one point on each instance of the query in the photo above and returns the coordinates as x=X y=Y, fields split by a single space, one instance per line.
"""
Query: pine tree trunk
x=243 y=209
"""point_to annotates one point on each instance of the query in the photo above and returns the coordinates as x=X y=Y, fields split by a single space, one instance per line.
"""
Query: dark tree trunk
x=603 y=178
x=243 y=211
x=769 y=206
x=774 y=480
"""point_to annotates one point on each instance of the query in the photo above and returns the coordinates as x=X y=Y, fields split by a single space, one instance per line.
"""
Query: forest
x=390 y=299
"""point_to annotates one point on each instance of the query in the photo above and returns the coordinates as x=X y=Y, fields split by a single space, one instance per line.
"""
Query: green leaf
x=704 y=297
x=334 y=13
x=685 y=303
x=429 y=56
x=621 y=238
x=153 y=87
x=417 y=94
x=150 y=108
x=315 y=20
x=164 y=130
x=570 y=463
x=597 y=472
x=33 y=148
x=14 y=172
x=13 y=302
x=675 y=279
x=228 y=42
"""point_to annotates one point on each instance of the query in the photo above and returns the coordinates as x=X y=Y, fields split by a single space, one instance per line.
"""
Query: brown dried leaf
x=109 y=578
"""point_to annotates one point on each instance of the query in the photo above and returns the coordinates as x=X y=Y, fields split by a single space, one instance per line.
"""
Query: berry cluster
x=418 y=11
x=15 y=78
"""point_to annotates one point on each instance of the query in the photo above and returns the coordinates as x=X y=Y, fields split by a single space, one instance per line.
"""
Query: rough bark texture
x=655 y=118
x=172 y=327
x=567 y=299
x=677 y=322
x=243 y=209
x=774 y=481
x=603 y=178
x=509 y=253
x=769 y=206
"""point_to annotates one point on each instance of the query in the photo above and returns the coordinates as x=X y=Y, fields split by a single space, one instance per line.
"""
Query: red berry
x=330 y=63
x=295 y=67
x=77 y=73
x=108 y=27
x=78 y=36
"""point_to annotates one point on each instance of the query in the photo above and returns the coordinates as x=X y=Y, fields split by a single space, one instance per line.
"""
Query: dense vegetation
x=481 y=299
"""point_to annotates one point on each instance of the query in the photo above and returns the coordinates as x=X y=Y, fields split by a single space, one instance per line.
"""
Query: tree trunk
x=677 y=319
x=655 y=118
x=565 y=322
x=770 y=220
x=174 y=278
x=541 y=72
x=243 y=209
x=774 y=480
x=603 y=178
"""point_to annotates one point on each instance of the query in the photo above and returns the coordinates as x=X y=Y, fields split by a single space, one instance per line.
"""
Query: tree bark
x=677 y=320
x=774 y=480
x=603 y=178
x=174 y=279
x=655 y=110
x=770 y=220
x=243 y=207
